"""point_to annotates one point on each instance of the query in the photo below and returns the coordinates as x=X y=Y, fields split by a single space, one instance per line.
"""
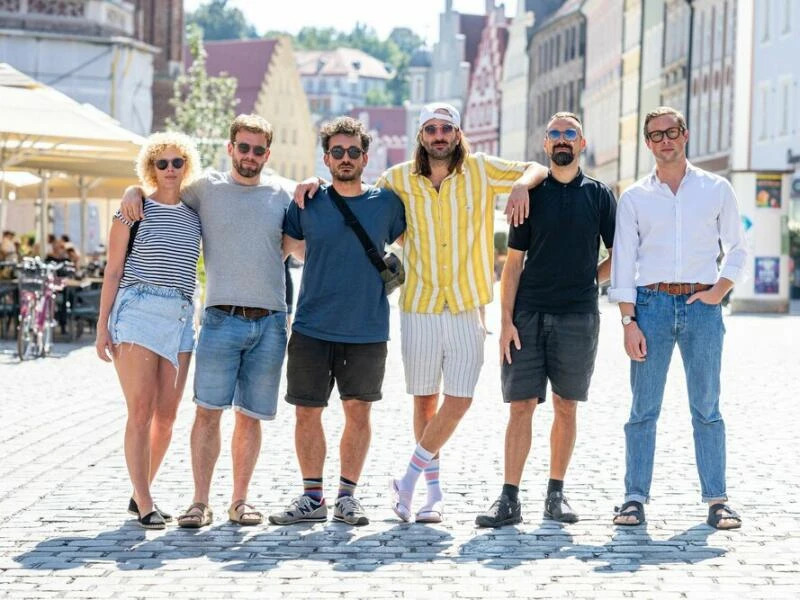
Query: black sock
x=512 y=491
x=555 y=485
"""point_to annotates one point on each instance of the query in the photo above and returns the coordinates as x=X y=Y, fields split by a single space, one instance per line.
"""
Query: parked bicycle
x=38 y=284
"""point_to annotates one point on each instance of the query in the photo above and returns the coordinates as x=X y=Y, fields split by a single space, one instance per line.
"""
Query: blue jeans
x=698 y=330
x=239 y=363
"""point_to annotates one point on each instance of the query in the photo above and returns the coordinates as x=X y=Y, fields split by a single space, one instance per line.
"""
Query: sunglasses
x=163 y=163
x=568 y=134
x=432 y=129
x=338 y=152
x=244 y=148
x=672 y=133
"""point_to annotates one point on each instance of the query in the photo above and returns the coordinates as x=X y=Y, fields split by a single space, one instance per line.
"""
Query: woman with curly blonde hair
x=145 y=324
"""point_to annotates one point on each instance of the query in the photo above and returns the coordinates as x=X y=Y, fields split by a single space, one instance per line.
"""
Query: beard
x=354 y=174
x=562 y=156
x=441 y=153
x=247 y=171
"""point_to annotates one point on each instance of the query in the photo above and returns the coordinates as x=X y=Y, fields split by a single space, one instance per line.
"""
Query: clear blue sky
x=422 y=16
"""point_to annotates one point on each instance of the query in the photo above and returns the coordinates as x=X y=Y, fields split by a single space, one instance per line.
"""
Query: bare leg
x=205 y=442
x=137 y=369
x=245 y=447
x=170 y=392
x=562 y=435
x=518 y=439
x=356 y=437
x=309 y=441
x=444 y=423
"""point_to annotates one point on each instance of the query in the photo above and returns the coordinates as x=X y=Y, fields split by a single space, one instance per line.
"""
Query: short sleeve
x=291 y=222
x=519 y=236
x=608 y=216
x=118 y=216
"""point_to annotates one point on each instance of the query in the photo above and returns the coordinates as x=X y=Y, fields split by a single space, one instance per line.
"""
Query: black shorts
x=314 y=365
x=556 y=347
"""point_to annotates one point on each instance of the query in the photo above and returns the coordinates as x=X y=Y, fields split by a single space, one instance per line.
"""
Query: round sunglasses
x=244 y=148
x=338 y=152
x=568 y=134
x=163 y=163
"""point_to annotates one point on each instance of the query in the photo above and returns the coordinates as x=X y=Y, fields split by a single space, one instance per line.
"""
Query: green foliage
x=501 y=242
x=204 y=106
x=220 y=22
x=378 y=98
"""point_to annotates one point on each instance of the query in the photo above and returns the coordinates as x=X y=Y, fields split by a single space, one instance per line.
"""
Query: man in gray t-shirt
x=242 y=342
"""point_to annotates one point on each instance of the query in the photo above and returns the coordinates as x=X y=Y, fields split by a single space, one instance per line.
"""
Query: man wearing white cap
x=448 y=193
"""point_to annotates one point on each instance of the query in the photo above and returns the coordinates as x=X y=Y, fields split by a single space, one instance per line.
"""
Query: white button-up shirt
x=661 y=236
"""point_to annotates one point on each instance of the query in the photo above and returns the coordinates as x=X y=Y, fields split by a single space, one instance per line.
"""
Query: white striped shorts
x=446 y=343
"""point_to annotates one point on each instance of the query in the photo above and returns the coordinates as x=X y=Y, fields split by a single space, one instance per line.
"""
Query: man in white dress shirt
x=669 y=286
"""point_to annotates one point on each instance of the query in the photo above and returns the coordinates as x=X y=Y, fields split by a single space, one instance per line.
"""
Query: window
x=787 y=16
x=765 y=29
x=764 y=112
x=785 y=107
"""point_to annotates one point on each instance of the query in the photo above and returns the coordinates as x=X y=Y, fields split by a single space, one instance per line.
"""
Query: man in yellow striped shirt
x=448 y=248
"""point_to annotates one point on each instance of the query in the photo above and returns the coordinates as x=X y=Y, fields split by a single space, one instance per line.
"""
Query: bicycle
x=38 y=285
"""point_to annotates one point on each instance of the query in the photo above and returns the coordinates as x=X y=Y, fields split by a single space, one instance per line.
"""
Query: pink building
x=387 y=126
x=482 y=110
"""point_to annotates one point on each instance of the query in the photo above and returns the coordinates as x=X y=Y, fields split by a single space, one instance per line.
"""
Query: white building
x=85 y=49
x=514 y=101
x=337 y=81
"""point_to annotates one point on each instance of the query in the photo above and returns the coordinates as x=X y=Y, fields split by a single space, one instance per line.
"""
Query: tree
x=377 y=97
x=204 y=106
x=220 y=22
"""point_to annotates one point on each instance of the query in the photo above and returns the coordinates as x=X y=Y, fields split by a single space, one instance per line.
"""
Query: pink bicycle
x=38 y=286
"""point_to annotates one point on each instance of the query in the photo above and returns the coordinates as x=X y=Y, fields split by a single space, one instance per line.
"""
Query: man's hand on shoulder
x=518 y=205
x=307 y=187
x=131 y=205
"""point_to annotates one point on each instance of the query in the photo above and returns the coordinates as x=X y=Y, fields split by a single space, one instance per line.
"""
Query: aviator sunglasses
x=445 y=129
x=568 y=134
x=338 y=152
x=244 y=148
x=163 y=163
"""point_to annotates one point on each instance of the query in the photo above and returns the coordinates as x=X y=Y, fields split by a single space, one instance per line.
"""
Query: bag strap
x=350 y=219
x=133 y=230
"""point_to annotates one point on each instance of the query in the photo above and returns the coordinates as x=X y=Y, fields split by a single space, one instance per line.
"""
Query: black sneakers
x=557 y=508
x=503 y=512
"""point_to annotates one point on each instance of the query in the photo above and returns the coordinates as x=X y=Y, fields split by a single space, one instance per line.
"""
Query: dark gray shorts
x=314 y=365
x=556 y=347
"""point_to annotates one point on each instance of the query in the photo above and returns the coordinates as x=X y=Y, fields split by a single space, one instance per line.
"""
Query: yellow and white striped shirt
x=449 y=241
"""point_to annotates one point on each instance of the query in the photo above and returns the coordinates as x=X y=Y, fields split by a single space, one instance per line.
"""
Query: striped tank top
x=166 y=247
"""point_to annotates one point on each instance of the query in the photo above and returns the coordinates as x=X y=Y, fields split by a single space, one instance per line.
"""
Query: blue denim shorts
x=155 y=317
x=239 y=363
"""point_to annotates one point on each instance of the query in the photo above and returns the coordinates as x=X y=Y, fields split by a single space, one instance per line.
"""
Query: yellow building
x=269 y=85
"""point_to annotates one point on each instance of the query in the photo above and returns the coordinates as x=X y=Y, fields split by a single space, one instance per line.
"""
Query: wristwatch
x=628 y=319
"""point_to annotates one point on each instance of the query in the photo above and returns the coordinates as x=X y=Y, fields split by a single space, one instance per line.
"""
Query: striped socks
x=346 y=487
x=419 y=460
x=432 y=479
x=313 y=489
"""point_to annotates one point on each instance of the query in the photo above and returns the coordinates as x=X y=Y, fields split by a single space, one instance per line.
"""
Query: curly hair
x=155 y=145
x=345 y=126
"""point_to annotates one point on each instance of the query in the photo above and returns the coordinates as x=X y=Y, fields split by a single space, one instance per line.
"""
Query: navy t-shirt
x=341 y=294
x=562 y=241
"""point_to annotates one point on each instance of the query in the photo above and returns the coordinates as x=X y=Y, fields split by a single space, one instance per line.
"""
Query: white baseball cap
x=441 y=111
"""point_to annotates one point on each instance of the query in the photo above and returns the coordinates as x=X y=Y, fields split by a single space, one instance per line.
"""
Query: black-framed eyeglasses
x=446 y=129
x=568 y=134
x=163 y=163
x=338 y=152
x=244 y=148
x=672 y=133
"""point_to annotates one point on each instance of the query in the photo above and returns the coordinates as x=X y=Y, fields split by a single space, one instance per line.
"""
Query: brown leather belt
x=678 y=289
x=248 y=312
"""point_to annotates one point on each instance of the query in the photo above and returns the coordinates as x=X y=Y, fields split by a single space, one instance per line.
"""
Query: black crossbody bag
x=389 y=265
x=134 y=229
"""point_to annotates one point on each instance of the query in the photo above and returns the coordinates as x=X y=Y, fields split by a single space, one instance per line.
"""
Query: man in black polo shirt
x=550 y=319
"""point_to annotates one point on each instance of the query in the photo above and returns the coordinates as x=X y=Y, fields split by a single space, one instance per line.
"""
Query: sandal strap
x=199 y=506
x=732 y=514
x=635 y=503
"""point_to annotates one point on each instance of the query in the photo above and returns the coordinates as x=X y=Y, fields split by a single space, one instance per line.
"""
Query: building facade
x=557 y=69
x=336 y=81
x=481 y=119
x=268 y=84
x=86 y=49
x=387 y=128
x=629 y=130
x=601 y=98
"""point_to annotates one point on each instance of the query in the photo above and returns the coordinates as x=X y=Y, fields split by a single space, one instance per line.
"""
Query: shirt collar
x=691 y=170
x=576 y=182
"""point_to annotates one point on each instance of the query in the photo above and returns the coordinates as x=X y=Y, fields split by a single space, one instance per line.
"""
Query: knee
x=307 y=416
x=564 y=410
x=459 y=406
x=522 y=409
x=426 y=404
x=140 y=415
x=207 y=418
x=357 y=413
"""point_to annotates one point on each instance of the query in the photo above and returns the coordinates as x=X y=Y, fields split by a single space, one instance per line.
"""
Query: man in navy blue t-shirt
x=341 y=325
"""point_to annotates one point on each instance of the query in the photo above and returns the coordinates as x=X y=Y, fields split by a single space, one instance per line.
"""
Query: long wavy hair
x=422 y=160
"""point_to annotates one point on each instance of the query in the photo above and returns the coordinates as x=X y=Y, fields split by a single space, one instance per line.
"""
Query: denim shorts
x=239 y=362
x=560 y=348
x=155 y=317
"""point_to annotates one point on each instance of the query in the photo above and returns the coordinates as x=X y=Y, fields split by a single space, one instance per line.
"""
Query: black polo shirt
x=562 y=241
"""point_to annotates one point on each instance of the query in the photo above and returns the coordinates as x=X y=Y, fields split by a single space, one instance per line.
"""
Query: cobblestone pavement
x=63 y=492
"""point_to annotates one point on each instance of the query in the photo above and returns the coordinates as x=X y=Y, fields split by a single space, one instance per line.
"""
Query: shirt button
x=444 y=245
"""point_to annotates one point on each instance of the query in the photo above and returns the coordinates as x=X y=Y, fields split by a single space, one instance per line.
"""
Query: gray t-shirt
x=242 y=232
